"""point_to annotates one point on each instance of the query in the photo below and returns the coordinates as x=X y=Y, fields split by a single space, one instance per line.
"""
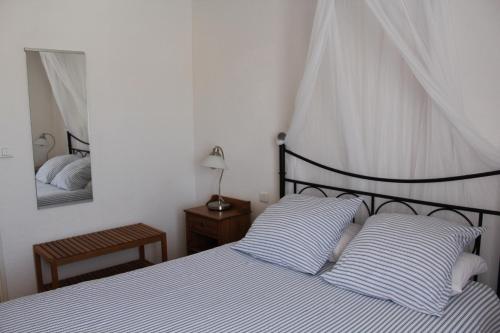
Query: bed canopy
x=381 y=96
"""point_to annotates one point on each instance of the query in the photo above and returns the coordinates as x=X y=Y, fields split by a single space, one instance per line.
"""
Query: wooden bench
x=73 y=249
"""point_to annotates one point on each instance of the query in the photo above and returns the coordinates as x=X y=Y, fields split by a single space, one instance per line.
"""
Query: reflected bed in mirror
x=59 y=126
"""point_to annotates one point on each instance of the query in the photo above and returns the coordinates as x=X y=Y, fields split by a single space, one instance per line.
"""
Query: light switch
x=4 y=153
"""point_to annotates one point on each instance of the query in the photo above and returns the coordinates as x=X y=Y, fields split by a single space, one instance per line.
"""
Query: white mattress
x=51 y=195
x=222 y=290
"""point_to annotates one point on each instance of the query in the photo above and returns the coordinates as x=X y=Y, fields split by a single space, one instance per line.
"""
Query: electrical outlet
x=264 y=197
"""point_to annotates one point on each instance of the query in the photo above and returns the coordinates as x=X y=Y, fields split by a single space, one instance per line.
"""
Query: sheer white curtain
x=380 y=96
x=66 y=74
x=420 y=31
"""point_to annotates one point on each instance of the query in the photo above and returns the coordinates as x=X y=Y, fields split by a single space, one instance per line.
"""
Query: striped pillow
x=407 y=259
x=52 y=167
x=299 y=232
x=74 y=176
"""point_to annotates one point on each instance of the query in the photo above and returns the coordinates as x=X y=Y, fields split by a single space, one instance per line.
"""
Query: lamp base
x=218 y=205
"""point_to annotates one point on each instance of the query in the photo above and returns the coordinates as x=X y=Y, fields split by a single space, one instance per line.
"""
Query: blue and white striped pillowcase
x=299 y=232
x=407 y=259
x=52 y=167
x=74 y=176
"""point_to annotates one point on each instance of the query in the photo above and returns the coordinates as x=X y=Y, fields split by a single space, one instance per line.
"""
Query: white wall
x=139 y=65
x=248 y=59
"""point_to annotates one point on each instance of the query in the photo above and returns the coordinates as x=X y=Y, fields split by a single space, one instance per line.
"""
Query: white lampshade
x=41 y=142
x=214 y=162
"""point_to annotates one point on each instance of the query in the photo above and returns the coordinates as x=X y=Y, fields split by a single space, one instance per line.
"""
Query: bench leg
x=55 y=276
x=142 y=255
x=38 y=272
x=164 y=254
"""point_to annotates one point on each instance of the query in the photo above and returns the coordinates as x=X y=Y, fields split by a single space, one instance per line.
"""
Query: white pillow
x=349 y=233
x=466 y=266
x=52 y=167
x=74 y=176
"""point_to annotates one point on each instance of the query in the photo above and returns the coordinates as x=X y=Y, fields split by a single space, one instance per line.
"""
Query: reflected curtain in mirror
x=66 y=74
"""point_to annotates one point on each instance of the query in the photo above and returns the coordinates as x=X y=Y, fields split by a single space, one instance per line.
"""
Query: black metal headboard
x=374 y=206
x=76 y=151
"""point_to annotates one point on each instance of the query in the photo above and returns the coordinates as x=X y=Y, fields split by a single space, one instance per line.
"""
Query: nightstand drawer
x=203 y=226
x=206 y=229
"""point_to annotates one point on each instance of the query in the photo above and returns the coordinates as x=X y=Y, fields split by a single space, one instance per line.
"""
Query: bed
x=224 y=290
x=49 y=195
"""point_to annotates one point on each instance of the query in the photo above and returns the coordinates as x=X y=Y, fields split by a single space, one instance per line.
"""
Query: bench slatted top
x=77 y=248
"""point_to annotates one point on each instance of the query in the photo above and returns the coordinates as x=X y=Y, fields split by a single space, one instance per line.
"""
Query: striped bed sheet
x=223 y=290
x=48 y=195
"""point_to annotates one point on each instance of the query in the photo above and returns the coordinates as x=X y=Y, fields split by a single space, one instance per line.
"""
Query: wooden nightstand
x=206 y=229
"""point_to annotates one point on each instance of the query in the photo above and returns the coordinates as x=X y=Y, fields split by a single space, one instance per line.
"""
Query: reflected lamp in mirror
x=217 y=161
x=43 y=142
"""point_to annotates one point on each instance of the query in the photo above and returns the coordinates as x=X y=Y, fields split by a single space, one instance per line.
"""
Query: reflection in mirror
x=59 y=126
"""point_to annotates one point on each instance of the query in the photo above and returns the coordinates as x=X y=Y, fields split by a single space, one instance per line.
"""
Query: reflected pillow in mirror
x=52 y=167
x=74 y=176
x=88 y=187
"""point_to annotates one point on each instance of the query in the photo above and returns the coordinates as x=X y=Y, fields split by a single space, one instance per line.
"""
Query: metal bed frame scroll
x=374 y=205
x=76 y=151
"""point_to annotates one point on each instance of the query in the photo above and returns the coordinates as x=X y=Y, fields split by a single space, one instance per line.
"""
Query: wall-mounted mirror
x=59 y=126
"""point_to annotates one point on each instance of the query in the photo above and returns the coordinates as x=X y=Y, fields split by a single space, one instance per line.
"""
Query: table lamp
x=42 y=142
x=216 y=161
